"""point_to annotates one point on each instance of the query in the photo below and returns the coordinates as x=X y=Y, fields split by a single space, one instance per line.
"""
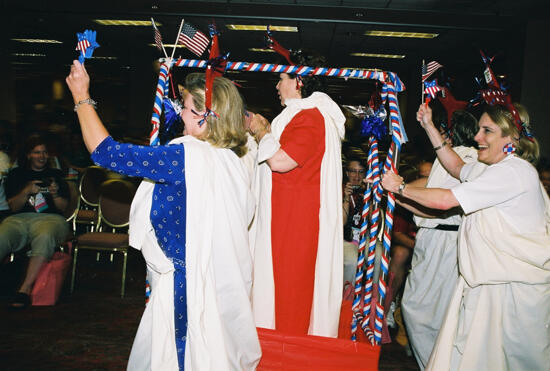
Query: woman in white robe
x=190 y=221
x=499 y=315
x=434 y=266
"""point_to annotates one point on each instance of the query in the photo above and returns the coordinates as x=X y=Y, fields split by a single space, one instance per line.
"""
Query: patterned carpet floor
x=93 y=328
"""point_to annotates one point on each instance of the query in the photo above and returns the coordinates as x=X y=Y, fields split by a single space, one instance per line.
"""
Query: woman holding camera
x=37 y=196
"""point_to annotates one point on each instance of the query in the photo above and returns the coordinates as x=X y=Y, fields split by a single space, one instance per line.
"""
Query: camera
x=44 y=185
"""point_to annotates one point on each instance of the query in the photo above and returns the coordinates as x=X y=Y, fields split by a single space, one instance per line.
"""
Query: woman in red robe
x=300 y=153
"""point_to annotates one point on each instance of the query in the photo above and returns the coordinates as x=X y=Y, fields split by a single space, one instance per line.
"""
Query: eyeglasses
x=356 y=171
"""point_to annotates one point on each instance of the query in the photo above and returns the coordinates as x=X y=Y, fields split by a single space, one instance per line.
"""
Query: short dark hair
x=30 y=143
x=464 y=128
x=311 y=59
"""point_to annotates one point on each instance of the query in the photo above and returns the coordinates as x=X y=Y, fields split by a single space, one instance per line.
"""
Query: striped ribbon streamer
x=373 y=232
x=297 y=70
x=390 y=164
x=360 y=261
x=162 y=87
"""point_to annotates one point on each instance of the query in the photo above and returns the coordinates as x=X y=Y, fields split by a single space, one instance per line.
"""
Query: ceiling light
x=373 y=55
x=262 y=50
x=259 y=27
x=124 y=22
x=414 y=35
x=29 y=55
x=38 y=41
x=170 y=45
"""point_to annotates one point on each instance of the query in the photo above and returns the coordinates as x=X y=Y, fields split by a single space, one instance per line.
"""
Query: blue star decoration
x=86 y=44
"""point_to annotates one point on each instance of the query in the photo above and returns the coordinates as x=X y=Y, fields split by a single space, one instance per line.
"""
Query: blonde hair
x=227 y=130
x=526 y=149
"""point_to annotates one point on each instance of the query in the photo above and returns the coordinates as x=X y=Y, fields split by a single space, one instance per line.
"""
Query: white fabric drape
x=499 y=315
x=327 y=295
x=221 y=332
x=434 y=267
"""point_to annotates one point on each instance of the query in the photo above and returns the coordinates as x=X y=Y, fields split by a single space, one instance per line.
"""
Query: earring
x=509 y=148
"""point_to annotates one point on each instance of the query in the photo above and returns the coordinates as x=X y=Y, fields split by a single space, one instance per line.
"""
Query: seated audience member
x=37 y=196
x=355 y=172
x=5 y=165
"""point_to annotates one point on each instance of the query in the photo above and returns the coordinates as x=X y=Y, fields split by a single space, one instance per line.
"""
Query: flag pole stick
x=155 y=26
x=422 y=81
x=177 y=38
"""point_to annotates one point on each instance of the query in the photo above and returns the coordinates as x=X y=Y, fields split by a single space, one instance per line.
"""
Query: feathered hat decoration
x=497 y=94
x=86 y=44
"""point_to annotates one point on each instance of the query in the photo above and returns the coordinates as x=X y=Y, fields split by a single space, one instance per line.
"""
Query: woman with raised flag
x=498 y=317
x=189 y=219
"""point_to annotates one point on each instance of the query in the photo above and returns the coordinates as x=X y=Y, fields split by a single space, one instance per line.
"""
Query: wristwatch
x=401 y=188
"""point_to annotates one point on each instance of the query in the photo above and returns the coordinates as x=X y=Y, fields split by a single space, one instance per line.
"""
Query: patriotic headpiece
x=272 y=44
x=497 y=94
x=450 y=104
x=275 y=46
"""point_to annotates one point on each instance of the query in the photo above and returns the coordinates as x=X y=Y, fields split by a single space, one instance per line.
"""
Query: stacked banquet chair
x=111 y=228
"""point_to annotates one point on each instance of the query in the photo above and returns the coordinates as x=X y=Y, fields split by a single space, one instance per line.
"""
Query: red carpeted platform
x=282 y=352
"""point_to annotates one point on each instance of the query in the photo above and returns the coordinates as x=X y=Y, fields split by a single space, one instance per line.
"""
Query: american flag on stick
x=428 y=69
x=158 y=37
x=193 y=39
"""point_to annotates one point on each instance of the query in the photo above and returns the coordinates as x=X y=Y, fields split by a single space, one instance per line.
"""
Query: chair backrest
x=115 y=198
x=91 y=180
x=74 y=201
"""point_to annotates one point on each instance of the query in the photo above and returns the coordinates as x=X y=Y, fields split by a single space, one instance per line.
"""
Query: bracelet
x=440 y=146
x=89 y=101
x=401 y=188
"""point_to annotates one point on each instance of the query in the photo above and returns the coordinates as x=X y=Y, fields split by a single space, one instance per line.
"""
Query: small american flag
x=428 y=69
x=193 y=39
x=157 y=35
x=431 y=88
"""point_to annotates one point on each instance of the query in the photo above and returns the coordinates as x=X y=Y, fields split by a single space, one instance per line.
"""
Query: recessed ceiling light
x=38 y=41
x=29 y=55
x=414 y=35
x=169 y=45
x=262 y=50
x=259 y=27
x=374 y=55
x=124 y=22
